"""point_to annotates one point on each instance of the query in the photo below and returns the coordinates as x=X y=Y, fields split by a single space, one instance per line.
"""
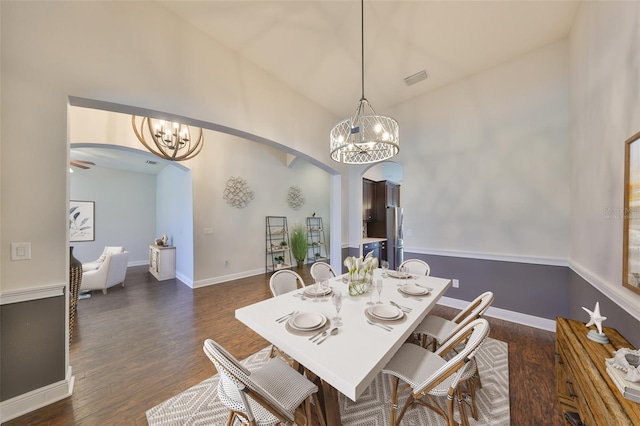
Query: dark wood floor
x=140 y=345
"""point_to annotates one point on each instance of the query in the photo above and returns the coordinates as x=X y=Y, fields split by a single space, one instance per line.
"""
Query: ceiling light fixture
x=366 y=137
x=172 y=141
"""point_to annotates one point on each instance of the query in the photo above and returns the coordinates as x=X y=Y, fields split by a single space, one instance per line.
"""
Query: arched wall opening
x=227 y=152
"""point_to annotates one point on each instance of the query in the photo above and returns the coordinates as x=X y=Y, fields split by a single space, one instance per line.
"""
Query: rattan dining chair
x=284 y=281
x=429 y=377
x=416 y=266
x=322 y=271
x=434 y=330
x=281 y=282
x=272 y=395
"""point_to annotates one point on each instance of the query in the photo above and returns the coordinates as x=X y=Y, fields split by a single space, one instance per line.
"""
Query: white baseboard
x=187 y=281
x=503 y=314
x=38 y=398
x=225 y=278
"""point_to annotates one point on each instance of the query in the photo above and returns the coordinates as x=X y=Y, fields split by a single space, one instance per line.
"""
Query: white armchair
x=90 y=266
x=110 y=272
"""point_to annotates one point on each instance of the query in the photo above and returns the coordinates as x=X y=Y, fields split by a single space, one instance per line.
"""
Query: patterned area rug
x=199 y=405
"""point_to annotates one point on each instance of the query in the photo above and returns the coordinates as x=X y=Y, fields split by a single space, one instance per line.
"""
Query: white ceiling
x=315 y=46
x=117 y=158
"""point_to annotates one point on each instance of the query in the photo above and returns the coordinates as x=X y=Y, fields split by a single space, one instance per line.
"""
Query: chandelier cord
x=365 y=137
x=362 y=44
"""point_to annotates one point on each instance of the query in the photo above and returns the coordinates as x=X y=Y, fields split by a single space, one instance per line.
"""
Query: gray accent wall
x=532 y=289
x=32 y=345
x=581 y=293
x=543 y=291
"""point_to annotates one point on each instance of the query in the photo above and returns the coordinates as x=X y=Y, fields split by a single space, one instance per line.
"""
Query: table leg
x=328 y=397
x=331 y=405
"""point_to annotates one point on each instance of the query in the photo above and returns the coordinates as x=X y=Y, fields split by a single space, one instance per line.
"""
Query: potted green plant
x=279 y=261
x=283 y=245
x=299 y=243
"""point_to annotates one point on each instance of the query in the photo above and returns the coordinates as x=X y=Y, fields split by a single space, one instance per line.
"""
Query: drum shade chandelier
x=171 y=141
x=366 y=137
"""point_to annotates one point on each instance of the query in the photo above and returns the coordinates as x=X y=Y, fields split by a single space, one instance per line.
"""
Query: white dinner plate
x=396 y=274
x=414 y=290
x=307 y=321
x=316 y=290
x=385 y=312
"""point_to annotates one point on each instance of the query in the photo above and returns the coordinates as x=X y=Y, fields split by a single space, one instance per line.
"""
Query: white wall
x=51 y=50
x=238 y=234
x=485 y=161
x=605 y=107
x=175 y=217
x=124 y=211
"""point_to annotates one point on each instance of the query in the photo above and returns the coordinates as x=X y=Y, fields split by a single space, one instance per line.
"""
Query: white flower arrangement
x=360 y=265
x=360 y=272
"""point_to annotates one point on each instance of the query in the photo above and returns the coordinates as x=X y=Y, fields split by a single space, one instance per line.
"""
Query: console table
x=162 y=262
x=583 y=386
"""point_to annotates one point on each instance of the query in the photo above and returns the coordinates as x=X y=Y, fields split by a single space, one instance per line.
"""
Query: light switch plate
x=20 y=251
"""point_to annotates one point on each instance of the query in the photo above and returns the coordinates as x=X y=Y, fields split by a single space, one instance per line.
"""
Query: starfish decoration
x=595 y=317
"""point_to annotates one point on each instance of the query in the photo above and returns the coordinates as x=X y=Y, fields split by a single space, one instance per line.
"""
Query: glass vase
x=359 y=283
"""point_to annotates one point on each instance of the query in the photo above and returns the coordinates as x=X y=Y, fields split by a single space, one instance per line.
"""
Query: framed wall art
x=81 y=221
x=631 y=215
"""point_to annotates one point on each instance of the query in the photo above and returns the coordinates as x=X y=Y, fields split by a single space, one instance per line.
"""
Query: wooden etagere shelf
x=584 y=389
x=277 y=248
x=316 y=242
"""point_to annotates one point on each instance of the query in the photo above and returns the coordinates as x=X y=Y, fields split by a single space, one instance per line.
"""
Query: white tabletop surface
x=350 y=360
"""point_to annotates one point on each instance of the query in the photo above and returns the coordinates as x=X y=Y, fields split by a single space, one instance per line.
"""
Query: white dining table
x=348 y=361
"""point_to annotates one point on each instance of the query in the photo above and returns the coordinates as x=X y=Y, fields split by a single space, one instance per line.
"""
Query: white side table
x=162 y=262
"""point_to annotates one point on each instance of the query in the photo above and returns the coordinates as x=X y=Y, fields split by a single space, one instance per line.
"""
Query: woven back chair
x=284 y=281
x=322 y=271
x=273 y=394
x=416 y=266
x=429 y=376
x=434 y=330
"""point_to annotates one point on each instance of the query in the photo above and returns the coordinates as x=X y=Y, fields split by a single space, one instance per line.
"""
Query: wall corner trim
x=548 y=261
x=33 y=293
x=38 y=398
x=184 y=280
x=618 y=294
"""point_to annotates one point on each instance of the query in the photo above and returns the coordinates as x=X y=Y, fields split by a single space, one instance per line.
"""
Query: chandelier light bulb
x=174 y=145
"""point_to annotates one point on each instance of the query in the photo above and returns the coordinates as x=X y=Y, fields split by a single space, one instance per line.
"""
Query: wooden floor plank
x=138 y=346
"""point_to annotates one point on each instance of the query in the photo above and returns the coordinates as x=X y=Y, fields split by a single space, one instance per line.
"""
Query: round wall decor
x=237 y=192
x=295 y=198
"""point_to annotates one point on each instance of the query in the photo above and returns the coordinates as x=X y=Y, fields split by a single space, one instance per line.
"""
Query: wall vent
x=416 y=78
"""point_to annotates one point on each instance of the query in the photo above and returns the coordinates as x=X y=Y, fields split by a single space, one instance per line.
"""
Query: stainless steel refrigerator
x=395 y=249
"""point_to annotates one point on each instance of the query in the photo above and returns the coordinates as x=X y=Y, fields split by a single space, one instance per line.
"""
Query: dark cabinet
x=375 y=247
x=385 y=194
x=379 y=249
x=368 y=195
x=376 y=196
